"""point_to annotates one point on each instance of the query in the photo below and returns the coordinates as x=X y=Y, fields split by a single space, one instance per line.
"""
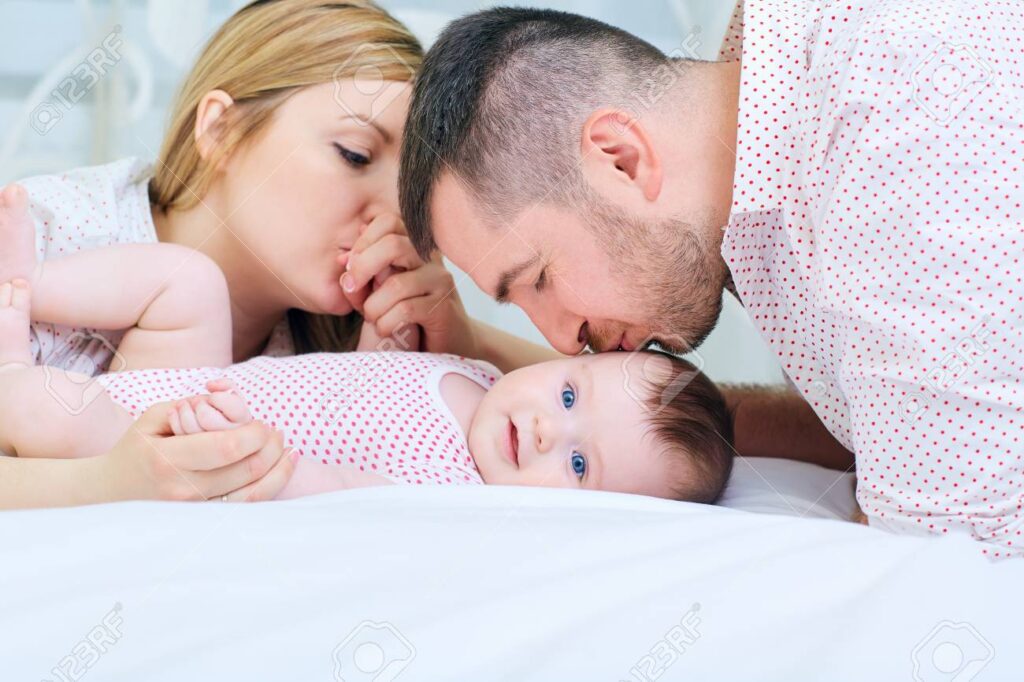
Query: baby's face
x=572 y=423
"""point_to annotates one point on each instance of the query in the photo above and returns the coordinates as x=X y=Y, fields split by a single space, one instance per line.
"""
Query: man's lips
x=513 y=443
x=625 y=345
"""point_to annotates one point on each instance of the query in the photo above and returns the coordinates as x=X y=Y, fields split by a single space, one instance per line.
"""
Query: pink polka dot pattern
x=876 y=242
x=378 y=412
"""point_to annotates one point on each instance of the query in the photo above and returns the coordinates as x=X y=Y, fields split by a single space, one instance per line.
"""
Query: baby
x=643 y=423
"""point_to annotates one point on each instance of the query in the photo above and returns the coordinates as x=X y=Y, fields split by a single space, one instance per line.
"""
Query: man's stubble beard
x=669 y=270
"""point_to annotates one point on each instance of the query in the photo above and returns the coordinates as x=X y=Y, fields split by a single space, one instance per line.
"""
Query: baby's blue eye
x=579 y=464
x=568 y=397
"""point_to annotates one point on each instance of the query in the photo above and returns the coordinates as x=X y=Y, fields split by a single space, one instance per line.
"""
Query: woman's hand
x=410 y=291
x=246 y=464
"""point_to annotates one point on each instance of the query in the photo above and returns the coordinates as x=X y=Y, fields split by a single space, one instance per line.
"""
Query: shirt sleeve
x=920 y=265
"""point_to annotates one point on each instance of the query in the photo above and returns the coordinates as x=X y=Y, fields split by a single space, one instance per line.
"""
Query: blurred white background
x=43 y=41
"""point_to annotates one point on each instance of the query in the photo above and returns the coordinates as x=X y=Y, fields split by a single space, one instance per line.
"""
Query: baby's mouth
x=513 y=443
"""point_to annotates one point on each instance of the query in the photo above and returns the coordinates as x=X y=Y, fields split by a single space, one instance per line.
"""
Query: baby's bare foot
x=224 y=408
x=15 y=306
x=17 y=236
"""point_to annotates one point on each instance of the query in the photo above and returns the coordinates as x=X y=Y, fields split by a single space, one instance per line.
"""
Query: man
x=866 y=161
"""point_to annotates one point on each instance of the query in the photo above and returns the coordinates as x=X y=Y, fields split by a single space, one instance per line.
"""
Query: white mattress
x=491 y=583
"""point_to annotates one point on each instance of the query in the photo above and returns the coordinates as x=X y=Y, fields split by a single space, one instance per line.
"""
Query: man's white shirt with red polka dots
x=876 y=241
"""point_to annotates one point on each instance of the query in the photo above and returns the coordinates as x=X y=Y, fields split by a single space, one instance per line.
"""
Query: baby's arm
x=312 y=478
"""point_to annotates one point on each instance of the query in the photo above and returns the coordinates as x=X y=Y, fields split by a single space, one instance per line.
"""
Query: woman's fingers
x=149 y=462
x=242 y=473
x=407 y=312
x=390 y=250
x=270 y=485
x=386 y=223
x=397 y=288
x=216 y=449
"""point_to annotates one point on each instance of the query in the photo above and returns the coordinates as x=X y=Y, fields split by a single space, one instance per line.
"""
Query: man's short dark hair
x=499 y=102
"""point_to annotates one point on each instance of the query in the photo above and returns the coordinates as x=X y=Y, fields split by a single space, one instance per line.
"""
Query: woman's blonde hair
x=261 y=56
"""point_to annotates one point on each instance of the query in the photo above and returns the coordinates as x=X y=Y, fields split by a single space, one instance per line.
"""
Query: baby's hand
x=223 y=409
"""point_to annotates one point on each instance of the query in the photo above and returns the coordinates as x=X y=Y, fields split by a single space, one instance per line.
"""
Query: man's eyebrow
x=376 y=126
x=508 y=277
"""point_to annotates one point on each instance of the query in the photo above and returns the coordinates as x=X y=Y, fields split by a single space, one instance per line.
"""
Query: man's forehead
x=459 y=224
x=484 y=247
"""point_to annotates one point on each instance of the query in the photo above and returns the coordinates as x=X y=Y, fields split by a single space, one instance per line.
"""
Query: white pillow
x=784 y=486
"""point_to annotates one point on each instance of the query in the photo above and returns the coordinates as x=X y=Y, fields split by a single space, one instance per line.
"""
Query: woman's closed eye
x=352 y=158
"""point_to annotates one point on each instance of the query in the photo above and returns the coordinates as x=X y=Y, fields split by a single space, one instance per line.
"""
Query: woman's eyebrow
x=376 y=126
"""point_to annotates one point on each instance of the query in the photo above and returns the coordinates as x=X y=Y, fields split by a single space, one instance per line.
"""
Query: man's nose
x=565 y=331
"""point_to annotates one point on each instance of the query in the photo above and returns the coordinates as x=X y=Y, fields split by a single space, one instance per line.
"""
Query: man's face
x=579 y=285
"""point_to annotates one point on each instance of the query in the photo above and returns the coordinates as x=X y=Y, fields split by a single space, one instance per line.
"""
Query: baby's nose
x=545 y=433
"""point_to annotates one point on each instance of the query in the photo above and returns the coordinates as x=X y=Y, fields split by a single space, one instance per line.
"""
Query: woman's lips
x=513 y=443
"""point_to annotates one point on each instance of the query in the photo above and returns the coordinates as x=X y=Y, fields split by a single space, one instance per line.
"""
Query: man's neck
x=720 y=91
x=698 y=128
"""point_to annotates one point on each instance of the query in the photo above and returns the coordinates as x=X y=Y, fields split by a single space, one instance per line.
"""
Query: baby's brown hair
x=688 y=416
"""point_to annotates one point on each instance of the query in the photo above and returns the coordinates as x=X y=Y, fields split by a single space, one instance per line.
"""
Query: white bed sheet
x=492 y=583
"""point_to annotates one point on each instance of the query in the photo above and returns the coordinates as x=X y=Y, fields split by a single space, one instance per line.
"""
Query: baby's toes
x=187 y=416
x=13 y=200
x=210 y=418
x=222 y=384
x=232 y=406
x=21 y=295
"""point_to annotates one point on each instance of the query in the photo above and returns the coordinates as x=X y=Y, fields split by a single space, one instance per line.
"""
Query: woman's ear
x=209 y=119
x=618 y=154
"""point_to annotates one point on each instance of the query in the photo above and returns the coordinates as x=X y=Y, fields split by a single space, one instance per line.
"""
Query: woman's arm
x=506 y=351
x=149 y=463
x=27 y=483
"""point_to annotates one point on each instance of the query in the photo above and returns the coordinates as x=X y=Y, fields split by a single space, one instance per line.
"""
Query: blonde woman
x=280 y=166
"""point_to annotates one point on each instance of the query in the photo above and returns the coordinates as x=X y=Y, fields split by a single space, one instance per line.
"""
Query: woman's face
x=297 y=196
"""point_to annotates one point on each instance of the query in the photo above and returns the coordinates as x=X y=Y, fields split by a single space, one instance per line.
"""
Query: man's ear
x=618 y=154
x=210 y=120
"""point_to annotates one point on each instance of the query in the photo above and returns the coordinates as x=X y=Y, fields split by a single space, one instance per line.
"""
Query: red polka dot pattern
x=378 y=412
x=876 y=243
